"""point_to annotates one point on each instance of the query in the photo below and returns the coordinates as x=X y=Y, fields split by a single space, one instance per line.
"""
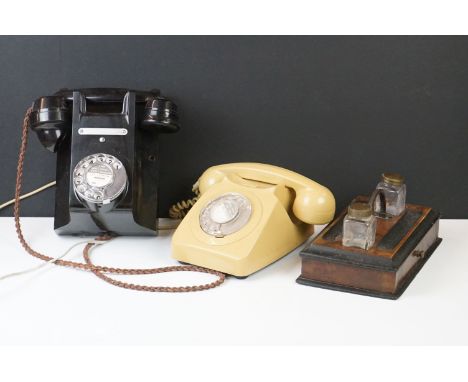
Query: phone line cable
x=52 y=260
x=24 y=196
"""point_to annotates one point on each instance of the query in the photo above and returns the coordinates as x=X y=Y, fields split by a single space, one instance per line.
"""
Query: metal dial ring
x=225 y=215
x=99 y=178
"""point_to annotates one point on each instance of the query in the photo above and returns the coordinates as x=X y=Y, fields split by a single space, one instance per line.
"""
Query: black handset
x=106 y=142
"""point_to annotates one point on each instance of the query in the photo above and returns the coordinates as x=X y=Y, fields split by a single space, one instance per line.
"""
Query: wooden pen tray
x=402 y=246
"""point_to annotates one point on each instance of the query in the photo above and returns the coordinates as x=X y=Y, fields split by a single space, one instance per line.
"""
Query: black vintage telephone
x=107 y=157
x=106 y=141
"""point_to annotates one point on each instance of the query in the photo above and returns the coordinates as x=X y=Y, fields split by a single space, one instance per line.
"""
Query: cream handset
x=248 y=216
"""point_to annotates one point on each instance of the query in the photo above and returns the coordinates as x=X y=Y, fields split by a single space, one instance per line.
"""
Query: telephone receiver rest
x=106 y=95
x=51 y=115
x=313 y=203
x=160 y=113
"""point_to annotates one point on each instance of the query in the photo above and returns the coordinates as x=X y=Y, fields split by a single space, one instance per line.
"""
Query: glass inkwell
x=389 y=197
x=359 y=226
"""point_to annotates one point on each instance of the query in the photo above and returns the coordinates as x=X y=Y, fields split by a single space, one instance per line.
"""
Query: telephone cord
x=24 y=196
x=44 y=264
x=99 y=270
x=180 y=209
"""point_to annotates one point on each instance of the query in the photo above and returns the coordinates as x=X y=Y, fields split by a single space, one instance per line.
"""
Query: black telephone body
x=106 y=140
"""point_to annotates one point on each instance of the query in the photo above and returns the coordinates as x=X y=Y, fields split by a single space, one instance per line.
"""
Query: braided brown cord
x=147 y=288
x=99 y=270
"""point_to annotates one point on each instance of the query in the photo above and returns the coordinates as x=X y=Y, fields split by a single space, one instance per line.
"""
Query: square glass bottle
x=359 y=226
x=391 y=191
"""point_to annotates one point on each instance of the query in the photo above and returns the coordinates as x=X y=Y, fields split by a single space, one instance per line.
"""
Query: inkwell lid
x=359 y=210
x=393 y=178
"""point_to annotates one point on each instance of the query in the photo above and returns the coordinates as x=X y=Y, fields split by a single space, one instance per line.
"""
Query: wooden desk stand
x=402 y=246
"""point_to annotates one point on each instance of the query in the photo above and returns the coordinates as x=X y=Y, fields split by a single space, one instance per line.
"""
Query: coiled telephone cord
x=99 y=270
x=180 y=209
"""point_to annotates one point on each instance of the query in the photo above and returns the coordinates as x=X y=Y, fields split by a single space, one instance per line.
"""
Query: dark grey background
x=339 y=110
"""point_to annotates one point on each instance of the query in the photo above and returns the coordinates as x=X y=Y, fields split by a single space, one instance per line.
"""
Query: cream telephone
x=248 y=216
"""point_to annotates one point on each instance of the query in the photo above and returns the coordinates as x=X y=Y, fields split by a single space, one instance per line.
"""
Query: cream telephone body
x=248 y=216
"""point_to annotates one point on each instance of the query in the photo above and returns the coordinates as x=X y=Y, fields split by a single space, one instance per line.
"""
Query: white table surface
x=58 y=305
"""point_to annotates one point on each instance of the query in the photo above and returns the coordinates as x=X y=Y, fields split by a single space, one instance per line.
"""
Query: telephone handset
x=248 y=216
x=313 y=203
x=106 y=141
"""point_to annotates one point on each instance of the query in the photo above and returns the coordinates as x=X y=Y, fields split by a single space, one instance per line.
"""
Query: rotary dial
x=99 y=178
x=225 y=215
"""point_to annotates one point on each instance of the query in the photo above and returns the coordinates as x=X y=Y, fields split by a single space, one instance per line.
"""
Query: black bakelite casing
x=144 y=114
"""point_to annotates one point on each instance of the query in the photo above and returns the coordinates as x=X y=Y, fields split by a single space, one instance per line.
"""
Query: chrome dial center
x=99 y=178
x=100 y=175
x=224 y=210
